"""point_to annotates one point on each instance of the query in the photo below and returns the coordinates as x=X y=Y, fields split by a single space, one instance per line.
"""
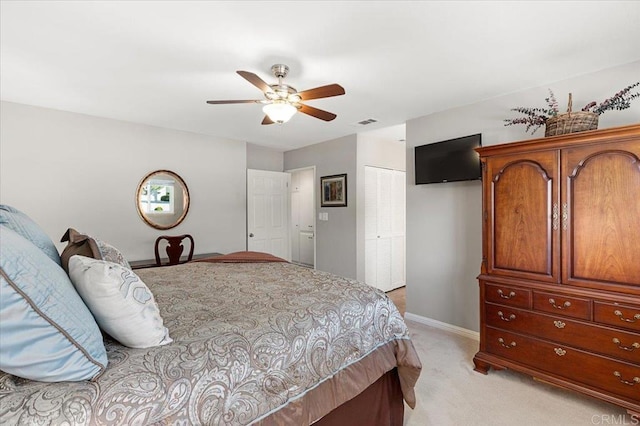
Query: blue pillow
x=19 y=222
x=48 y=333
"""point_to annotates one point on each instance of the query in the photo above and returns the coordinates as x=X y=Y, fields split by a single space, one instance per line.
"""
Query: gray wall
x=263 y=158
x=73 y=170
x=444 y=220
x=335 y=238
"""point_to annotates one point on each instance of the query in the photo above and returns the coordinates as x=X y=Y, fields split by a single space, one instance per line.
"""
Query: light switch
x=323 y=216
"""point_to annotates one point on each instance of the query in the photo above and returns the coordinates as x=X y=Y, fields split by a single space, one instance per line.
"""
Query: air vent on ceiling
x=366 y=122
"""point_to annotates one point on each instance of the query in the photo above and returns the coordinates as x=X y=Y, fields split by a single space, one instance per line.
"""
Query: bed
x=267 y=343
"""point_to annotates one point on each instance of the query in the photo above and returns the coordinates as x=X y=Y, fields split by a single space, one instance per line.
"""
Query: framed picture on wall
x=333 y=191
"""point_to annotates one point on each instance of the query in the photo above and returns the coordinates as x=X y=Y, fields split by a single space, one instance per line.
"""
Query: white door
x=295 y=224
x=398 y=229
x=305 y=239
x=384 y=228
x=303 y=216
x=371 y=226
x=268 y=212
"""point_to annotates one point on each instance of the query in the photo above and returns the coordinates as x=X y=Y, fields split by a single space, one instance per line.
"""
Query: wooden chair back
x=174 y=248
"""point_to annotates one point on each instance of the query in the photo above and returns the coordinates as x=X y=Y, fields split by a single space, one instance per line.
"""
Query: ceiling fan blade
x=322 y=92
x=233 y=102
x=256 y=81
x=317 y=113
x=267 y=120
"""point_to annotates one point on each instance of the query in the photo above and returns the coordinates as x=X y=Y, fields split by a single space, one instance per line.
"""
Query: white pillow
x=121 y=303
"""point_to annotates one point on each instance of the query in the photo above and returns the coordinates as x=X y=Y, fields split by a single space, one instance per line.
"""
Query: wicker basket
x=571 y=122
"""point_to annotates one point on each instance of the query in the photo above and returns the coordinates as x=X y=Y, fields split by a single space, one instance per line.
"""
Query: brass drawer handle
x=555 y=216
x=617 y=313
x=559 y=324
x=565 y=305
x=511 y=294
x=560 y=351
x=631 y=348
x=510 y=318
x=635 y=381
x=508 y=346
x=565 y=216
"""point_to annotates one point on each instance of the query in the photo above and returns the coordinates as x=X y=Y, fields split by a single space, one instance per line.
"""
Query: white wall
x=335 y=238
x=444 y=220
x=71 y=170
x=379 y=148
x=263 y=158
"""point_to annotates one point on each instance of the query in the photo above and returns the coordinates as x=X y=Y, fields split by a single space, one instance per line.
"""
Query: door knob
x=251 y=235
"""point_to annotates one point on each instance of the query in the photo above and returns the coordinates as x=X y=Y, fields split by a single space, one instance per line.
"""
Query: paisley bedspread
x=265 y=343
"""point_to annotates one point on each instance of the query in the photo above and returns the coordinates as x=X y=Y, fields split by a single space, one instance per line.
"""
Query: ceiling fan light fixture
x=279 y=112
x=283 y=101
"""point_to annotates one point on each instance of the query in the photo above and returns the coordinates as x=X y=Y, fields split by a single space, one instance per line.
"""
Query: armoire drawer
x=562 y=305
x=506 y=295
x=603 y=340
x=599 y=372
x=627 y=316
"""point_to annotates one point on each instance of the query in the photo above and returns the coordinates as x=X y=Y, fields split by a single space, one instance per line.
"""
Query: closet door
x=384 y=228
x=384 y=246
x=307 y=216
x=306 y=247
x=371 y=226
x=398 y=213
x=601 y=216
x=295 y=225
x=523 y=215
x=302 y=217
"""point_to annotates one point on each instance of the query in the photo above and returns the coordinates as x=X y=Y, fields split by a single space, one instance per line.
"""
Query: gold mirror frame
x=162 y=199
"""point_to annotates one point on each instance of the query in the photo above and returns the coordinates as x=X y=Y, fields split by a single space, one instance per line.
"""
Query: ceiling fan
x=283 y=101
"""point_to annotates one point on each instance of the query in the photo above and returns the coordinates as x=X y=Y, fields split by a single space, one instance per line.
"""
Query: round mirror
x=162 y=199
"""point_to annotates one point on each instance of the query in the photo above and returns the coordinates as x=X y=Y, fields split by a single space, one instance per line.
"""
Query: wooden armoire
x=560 y=274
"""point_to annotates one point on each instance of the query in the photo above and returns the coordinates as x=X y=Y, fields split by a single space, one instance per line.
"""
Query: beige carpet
x=449 y=392
x=399 y=298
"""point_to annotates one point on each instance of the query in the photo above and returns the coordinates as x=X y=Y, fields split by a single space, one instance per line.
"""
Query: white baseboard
x=443 y=326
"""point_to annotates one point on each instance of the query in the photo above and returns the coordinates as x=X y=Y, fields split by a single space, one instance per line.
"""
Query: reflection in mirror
x=162 y=199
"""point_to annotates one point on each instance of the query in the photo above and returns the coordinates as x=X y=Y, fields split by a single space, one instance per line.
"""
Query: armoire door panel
x=524 y=215
x=602 y=196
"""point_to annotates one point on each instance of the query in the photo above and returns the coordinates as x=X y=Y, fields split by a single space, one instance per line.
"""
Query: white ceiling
x=157 y=62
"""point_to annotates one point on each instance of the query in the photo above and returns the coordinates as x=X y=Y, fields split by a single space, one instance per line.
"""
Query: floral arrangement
x=536 y=117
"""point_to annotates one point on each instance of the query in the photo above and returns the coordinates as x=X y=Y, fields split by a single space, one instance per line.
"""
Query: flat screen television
x=452 y=160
